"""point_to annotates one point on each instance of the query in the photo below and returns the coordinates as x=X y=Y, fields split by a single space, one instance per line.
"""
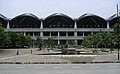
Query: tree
x=87 y=41
x=99 y=39
x=117 y=36
x=50 y=42
x=39 y=42
x=28 y=41
x=117 y=28
x=14 y=39
x=20 y=40
x=7 y=40
x=91 y=40
x=71 y=43
x=104 y=39
x=2 y=35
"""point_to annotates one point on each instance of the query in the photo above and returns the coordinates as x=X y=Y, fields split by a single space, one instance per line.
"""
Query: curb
x=59 y=62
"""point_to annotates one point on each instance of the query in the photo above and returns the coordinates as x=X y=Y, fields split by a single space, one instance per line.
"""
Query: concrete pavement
x=42 y=57
x=111 y=68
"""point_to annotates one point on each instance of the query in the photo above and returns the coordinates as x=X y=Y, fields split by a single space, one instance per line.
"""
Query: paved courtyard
x=25 y=56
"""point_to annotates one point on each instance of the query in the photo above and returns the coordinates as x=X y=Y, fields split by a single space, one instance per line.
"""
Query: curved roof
x=3 y=17
x=58 y=14
x=26 y=14
x=113 y=17
x=24 y=20
x=55 y=15
x=113 y=20
x=58 y=19
x=4 y=21
x=89 y=15
x=89 y=20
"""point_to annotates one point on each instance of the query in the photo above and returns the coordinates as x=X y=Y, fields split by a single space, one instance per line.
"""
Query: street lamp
x=0 y=26
x=118 y=45
x=118 y=52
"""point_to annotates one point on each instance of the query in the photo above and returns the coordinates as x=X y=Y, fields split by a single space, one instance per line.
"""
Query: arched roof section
x=3 y=20
x=113 y=20
x=58 y=20
x=91 y=21
x=26 y=20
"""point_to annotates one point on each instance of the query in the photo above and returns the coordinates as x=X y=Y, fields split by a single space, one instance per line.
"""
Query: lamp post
x=118 y=52
x=0 y=37
x=118 y=45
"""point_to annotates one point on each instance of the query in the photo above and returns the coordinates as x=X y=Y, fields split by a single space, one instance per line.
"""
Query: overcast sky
x=72 y=8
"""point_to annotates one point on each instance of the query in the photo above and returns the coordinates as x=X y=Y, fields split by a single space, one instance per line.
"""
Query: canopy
x=91 y=21
x=3 y=20
x=58 y=20
x=26 y=20
x=113 y=20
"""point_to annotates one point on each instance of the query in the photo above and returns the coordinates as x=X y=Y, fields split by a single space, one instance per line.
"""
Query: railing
x=63 y=37
x=58 y=29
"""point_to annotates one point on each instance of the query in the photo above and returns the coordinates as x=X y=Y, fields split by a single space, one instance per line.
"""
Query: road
x=109 y=68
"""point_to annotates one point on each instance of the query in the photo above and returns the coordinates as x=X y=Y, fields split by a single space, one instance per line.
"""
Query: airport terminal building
x=59 y=26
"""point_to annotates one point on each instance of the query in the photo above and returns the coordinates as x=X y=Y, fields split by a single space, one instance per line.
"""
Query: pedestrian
x=31 y=51
x=48 y=49
x=17 y=52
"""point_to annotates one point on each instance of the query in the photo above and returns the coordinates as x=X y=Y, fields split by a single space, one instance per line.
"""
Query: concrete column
x=41 y=34
x=8 y=25
x=24 y=34
x=75 y=34
x=58 y=34
x=75 y=25
x=50 y=34
x=66 y=34
x=108 y=25
x=76 y=42
x=119 y=13
x=41 y=25
x=33 y=34
x=83 y=34
x=58 y=41
x=92 y=33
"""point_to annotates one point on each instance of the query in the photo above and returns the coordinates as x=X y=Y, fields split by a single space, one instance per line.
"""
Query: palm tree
x=117 y=36
x=50 y=42
x=87 y=41
x=98 y=39
x=2 y=35
x=39 y=42
x=71 y=43
x=102 y=38
x=111 y=42
x=28 y=40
